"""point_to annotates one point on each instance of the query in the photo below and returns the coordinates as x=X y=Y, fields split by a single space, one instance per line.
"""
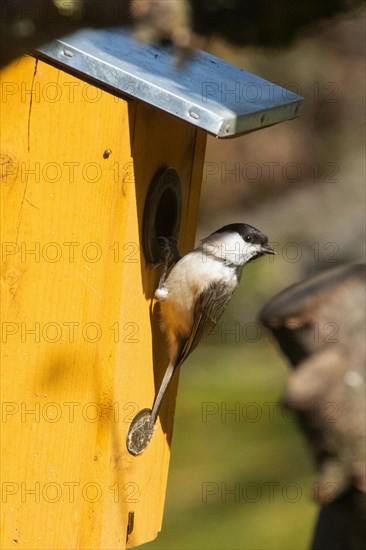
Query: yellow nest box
x=102 y=149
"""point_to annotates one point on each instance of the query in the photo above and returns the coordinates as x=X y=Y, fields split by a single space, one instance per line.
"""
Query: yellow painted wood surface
x=81 y=347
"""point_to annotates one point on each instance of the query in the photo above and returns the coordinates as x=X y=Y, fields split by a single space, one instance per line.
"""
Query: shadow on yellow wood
x=82 y=351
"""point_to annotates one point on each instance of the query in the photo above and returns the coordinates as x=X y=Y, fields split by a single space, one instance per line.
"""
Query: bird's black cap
x=249 y=234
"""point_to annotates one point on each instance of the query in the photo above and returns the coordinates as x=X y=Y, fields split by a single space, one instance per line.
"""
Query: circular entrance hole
x=162 y=212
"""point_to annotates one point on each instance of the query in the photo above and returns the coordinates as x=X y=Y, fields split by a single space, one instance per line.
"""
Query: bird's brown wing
x=209 y=308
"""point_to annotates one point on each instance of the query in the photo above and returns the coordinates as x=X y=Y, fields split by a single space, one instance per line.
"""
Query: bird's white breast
x=189 y=278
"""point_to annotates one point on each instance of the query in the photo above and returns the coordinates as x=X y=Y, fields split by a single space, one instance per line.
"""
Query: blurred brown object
x=341 y=524
x=26 y=24
x=320 y=326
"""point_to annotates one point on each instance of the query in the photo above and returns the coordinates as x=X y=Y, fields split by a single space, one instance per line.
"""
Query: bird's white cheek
x=247 y=252
x=250 y=250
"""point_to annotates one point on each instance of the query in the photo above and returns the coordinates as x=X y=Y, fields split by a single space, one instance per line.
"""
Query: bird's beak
x=266 y=249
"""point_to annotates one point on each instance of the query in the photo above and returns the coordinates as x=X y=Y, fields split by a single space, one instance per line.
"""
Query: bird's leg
x=169 y=255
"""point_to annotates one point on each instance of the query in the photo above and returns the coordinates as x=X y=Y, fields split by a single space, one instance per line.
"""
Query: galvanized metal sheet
x=207 y=92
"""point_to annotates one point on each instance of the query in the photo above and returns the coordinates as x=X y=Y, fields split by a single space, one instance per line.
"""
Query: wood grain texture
x=80 y=344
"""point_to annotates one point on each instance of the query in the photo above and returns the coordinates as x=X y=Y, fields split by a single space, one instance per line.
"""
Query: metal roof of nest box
x=207 y=92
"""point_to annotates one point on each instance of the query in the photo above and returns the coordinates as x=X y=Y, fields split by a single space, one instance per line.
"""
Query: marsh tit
x=195 y=293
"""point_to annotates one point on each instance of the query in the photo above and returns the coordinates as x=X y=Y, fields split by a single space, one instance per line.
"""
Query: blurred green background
x=243 y=479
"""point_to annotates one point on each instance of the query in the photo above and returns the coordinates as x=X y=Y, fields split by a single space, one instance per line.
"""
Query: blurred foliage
x=301 y=181
x=25 y=24
x=322 y=212
x=262 y=22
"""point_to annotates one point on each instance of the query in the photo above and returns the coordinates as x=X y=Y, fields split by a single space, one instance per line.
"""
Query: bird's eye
x=248 y=238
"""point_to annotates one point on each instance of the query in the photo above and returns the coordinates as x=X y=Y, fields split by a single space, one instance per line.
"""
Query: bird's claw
x=169 y=253
x=169 y=256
